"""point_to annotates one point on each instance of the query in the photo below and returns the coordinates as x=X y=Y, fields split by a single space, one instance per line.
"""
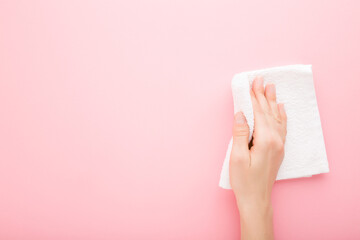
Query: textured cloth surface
x=305 y=153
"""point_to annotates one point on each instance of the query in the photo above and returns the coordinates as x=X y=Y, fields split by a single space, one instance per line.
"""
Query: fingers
x=270 y=94
x=258 y=88
x=282 y=113
x=283 y=117
x=258 y=112
x=240 y=134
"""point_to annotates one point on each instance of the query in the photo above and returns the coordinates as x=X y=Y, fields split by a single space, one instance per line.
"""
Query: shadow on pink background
x=115 y=116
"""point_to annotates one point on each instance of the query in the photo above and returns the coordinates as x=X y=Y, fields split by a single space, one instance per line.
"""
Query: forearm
x=256 y=221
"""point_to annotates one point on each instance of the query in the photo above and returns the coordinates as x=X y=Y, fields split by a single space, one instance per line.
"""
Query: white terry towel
x=305 y=153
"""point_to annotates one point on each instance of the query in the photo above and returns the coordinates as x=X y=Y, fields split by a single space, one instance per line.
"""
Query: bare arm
x=253 y=171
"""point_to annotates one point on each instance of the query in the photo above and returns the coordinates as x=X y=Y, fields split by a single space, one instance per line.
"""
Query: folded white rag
x=305 y=153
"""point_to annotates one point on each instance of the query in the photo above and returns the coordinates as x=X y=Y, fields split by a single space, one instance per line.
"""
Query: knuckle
x=277 y=144
x=267 y=111
x=241 y=131
x=267 y=141
x=258 y=91
x=280 y=146
x=277 y=117
x=274 y=142
x=237 y=156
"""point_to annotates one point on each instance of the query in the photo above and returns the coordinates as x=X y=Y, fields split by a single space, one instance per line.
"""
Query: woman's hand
x=253 y=171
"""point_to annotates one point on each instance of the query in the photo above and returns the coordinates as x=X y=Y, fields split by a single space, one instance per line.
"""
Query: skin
x=253 y=171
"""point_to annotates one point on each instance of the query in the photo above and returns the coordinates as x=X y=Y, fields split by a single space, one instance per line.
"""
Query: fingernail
x=257 y=83
x=240 y=118
x=271 y=88
x=259 y=80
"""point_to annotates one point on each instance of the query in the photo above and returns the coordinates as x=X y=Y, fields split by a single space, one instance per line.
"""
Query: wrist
x=262 y=207
x=256 y=220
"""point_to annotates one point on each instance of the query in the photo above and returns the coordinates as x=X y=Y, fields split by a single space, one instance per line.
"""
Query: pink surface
x=115 y=116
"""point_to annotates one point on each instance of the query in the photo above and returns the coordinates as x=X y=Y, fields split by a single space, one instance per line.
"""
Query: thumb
x=240 y=132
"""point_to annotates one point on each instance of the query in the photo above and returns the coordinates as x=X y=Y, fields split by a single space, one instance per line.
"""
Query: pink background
x=115 y=116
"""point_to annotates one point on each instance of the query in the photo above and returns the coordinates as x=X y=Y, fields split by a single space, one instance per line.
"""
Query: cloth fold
x=305 y=153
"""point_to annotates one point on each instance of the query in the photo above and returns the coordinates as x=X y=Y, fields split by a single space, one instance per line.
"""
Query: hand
x=253 y=171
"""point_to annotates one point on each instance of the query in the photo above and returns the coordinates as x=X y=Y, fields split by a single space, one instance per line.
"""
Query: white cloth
x=305 y=153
